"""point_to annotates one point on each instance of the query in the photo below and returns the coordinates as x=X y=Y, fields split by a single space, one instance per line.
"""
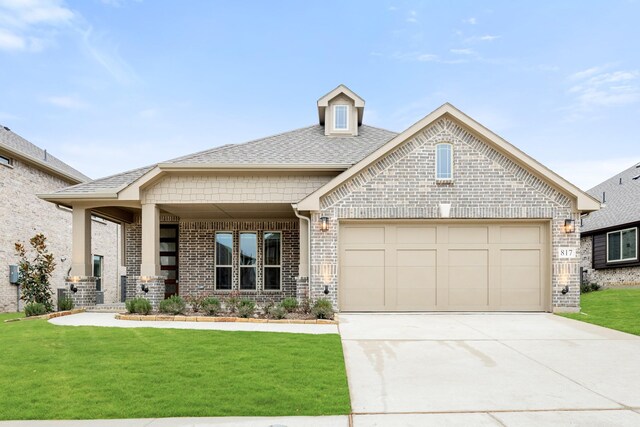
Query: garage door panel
x=363 y=258
x=521 y=298
x=513 y=234
x=468 y=234
x=363 y=299
x=364 y=235
x=416 y=235
x=468 y=298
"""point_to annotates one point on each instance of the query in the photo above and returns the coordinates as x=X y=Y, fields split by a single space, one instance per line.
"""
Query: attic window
x=5 y=161
x=341 y=117
x=444 y=162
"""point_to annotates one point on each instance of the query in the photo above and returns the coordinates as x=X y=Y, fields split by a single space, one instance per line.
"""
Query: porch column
x=303 y=266
x=81 y=264
x=150 y=263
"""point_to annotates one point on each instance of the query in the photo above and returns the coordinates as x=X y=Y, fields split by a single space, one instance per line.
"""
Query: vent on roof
x=621 y=181
x=45 y=155
x=6 y=128
x=636 y=177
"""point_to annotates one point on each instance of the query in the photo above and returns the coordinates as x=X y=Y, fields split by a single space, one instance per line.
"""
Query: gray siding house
x=444 y=216
x=609 y=239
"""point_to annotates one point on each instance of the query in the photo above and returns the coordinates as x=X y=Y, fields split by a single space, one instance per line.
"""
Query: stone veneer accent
x=196 y=257
x=85 y=296
x=486 y=185
x=24 y=214
x=619 y=276
x=237 y=189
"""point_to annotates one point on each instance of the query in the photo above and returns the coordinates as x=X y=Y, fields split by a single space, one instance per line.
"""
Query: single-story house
x=609 y=237
x=443 y=216
x=25 y=171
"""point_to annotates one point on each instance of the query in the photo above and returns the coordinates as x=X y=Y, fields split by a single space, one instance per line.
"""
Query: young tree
x=34 y=274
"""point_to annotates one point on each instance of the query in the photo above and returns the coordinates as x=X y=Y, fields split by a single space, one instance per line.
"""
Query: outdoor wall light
x=144 y=288
x=73 y=288
x=326 y=290
x=324 y=223
x=565 y=290
x=569 y=226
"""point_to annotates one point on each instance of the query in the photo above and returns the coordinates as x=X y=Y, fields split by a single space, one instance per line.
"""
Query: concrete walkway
x=108 y=319
x=489 y=370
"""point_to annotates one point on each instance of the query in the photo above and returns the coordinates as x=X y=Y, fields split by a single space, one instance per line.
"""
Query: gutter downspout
x=295 y=211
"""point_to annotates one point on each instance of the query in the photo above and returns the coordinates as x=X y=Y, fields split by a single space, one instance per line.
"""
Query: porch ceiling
x=229 y=210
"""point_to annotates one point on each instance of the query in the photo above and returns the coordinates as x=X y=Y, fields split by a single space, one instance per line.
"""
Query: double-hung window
x=224 y=260
x=272 y=260
x=444 y=162
x=248 y=260
x=622 y=245
x=341 y=117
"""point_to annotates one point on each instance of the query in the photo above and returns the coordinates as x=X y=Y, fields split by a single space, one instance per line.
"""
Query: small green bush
x=246 y=308
x=65 y=303
x=585 y=288
x=290 y=304
x=173 y=305
x=305 y=306
x=277 y=312
x=211 y=305
x=232 y=304
x=138 y=305
x=195 y=302
x=35 y=309
x=322 y=309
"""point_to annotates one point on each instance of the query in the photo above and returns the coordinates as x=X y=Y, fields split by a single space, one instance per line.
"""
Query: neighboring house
x=445 y=215
x=26 y=170
x=609 y=239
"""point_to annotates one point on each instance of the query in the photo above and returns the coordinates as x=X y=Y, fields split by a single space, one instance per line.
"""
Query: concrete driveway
x=489 y=370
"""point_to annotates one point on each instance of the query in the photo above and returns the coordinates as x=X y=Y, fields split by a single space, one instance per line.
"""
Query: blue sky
x=115 y=84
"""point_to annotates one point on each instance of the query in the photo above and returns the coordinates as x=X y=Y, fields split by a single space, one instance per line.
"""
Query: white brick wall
x=486 y=185
x=24 y=214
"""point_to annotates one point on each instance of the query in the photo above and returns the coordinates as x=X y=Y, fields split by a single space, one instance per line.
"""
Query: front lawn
x=613 y=308
x=62 y=372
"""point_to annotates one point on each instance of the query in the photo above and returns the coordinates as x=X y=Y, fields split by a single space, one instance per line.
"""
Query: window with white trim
x=248 y=261
x=272 y=260
x=444 y=162
x=622 y=245
x=224 y=260
x=341 y=117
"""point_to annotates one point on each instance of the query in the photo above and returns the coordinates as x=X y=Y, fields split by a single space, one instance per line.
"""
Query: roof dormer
x=340 y=112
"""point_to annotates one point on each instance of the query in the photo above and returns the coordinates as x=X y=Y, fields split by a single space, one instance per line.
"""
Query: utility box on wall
x=13 y=274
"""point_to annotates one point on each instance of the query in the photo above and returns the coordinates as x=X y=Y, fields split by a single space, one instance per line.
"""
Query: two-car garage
x=444 y=266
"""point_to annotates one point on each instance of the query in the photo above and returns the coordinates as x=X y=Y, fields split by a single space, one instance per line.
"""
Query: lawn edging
x=169 y=318
x=48 y=315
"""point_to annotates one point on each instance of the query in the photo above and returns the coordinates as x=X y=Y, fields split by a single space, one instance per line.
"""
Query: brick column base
x=154 y=287
x=85 y=290
x=302 y=289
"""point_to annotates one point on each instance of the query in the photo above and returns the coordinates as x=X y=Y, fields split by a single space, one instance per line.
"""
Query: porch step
x=107 y=308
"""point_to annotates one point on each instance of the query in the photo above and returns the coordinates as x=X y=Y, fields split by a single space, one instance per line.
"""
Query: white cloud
x=463 y=51
x=488 y=38
x=149 y=113
x=25 y=13
x=413 y=17
x=596 y=87
x=11 y=41
x=470 y=21
x=393 y=8
x=68 y=102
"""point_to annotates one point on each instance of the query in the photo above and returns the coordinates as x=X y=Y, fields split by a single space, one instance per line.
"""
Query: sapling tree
x=34 y=273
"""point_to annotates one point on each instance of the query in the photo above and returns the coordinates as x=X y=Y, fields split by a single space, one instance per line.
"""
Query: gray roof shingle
x=20 y=145
x=622 y=204
x=307 y=145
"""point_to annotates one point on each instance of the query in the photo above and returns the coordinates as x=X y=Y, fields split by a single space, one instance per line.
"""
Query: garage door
x=444 y=267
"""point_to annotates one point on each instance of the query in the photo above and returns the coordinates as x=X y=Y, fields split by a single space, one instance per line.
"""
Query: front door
x=169 y=258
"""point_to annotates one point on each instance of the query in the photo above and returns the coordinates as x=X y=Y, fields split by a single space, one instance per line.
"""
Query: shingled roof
x=622 y=201
x=19 y=146
x=305 y=146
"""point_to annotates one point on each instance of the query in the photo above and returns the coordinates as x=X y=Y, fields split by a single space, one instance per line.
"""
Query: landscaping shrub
x=290 y=304
x=195 y=302
x=35 y=272
x=246 y=308
x=65 y=303
x=305 y=306
x=267 y=306
x=173 y=305
x=34 y=309
x=277 y=311
x=585 y=288
x=138 y=305
x=211 y=305
x=232 y=302
x=322 y=309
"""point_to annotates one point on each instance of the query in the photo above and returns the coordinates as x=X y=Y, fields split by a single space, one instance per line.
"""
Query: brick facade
x=486 y=185
x=621 y=276
x=24 y=214
x=196 y=257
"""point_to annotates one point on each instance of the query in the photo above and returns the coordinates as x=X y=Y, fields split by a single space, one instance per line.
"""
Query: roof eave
x=41 y=164
x=266 y=167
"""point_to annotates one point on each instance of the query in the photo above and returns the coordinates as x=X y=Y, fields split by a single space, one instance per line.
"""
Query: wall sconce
x=73 y=288
x=324 y=223
x=565 y=290
x=326 y=290
x=569 y=226
x=144 y=288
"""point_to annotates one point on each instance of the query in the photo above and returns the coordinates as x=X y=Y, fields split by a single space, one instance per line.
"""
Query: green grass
x=613 y=308
x=62 y=372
